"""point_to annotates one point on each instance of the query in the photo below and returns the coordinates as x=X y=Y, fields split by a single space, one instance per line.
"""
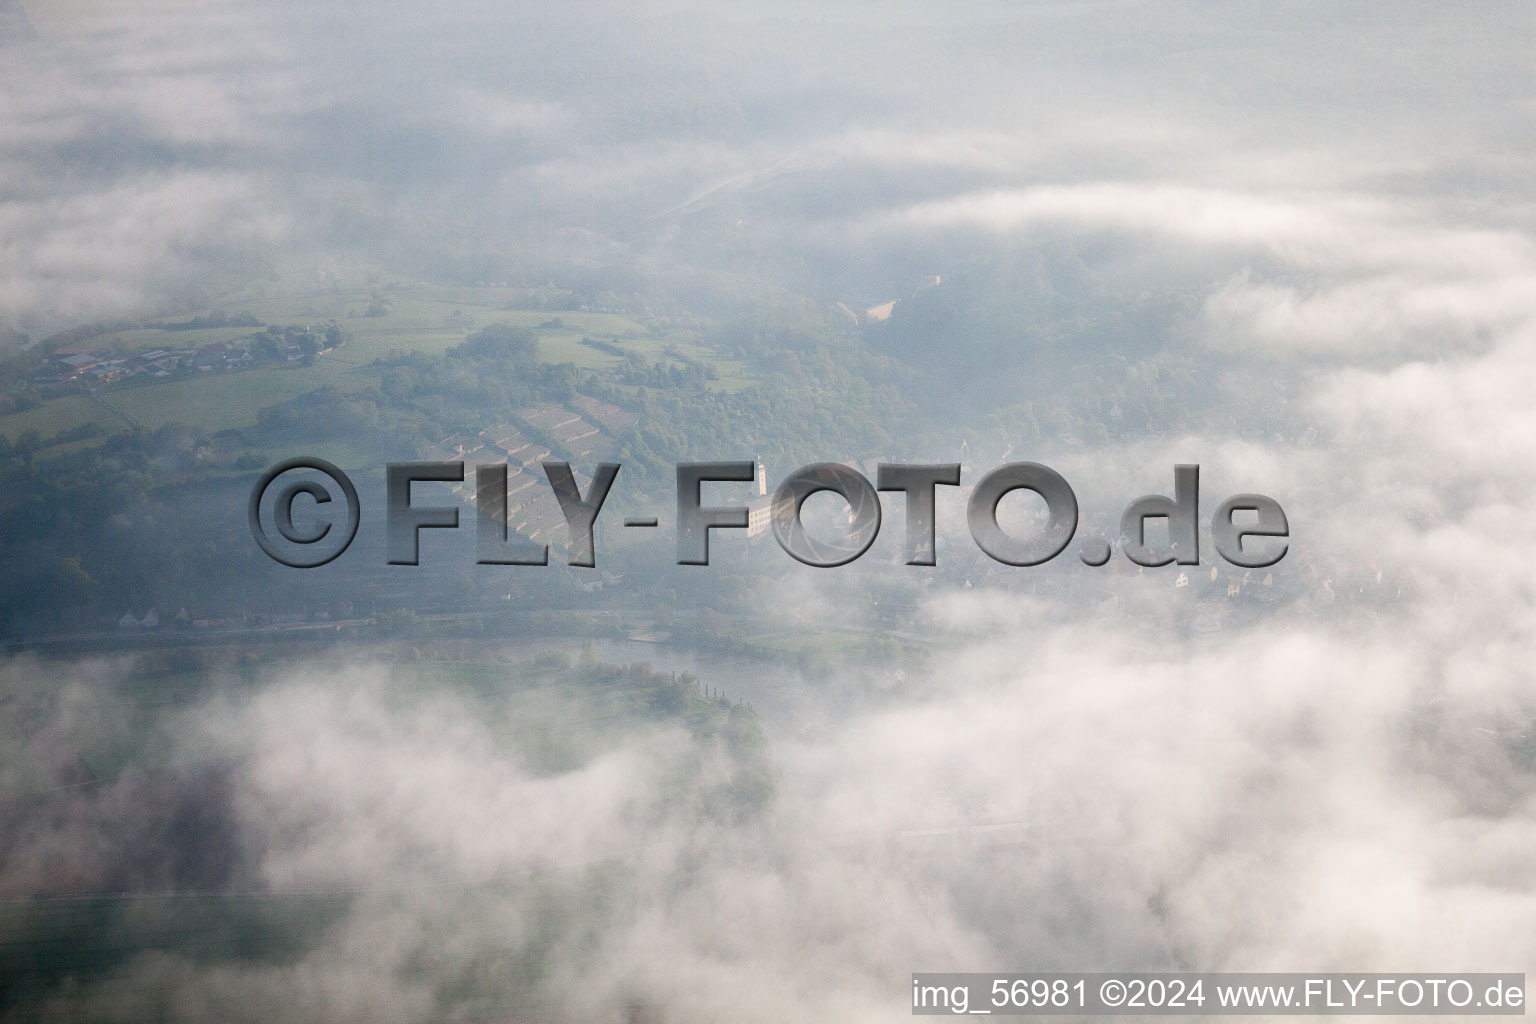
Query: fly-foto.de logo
x=1248 y=530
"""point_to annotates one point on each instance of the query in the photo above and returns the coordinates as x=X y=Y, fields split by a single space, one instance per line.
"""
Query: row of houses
x=96 y=368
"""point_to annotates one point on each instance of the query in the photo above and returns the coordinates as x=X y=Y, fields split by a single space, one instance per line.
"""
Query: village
x=75 y=367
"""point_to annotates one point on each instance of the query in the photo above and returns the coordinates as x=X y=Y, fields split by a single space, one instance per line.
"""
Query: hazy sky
x=155 y=153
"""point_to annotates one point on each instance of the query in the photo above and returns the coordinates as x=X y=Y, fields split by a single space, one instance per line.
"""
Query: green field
x=59 y=415
x=223 y=400
x=143 y=339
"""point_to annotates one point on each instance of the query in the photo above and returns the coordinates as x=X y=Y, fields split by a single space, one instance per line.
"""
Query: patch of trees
x=208 y=322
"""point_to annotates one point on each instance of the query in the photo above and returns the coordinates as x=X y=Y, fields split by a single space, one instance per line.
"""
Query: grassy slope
x=427 y=320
